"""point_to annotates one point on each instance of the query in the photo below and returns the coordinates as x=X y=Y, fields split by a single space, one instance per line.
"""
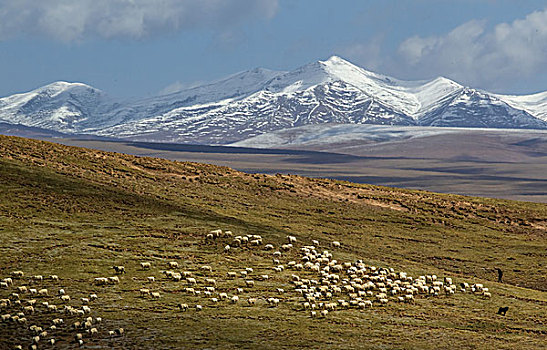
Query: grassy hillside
x=77 y=212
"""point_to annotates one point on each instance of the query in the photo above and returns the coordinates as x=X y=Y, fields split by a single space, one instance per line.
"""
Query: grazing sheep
x=100 y=281
x=199 y=308
x=119 y=331
x=114 y=279
x=234 y=299
x=336 y=244
x=206 y=268
x=150 y=279
x=231 y=274
x=146 y=265
x=173 y=264
x=65 y=298
x=250 y=283
x=155 y=295
x=251 y=301
x=93 y=331
x=324 y=313
x=93 y=297
x=43 y=292
x=183 y=307
x=292 y=239
x=38 y=278
x=18 y=273
x=119 y=269
x=210 y=281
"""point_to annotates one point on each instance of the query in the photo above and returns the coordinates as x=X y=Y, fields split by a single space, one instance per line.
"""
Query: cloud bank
x=76 y=20
x=472 y=53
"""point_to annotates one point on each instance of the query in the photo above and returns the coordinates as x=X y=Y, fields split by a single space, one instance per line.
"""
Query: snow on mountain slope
x=60 y=106
x=477 y=109
x=259 y=101
x=535 y=104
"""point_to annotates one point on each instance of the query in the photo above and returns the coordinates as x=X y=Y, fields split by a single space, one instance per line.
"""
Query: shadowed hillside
x=76 y=212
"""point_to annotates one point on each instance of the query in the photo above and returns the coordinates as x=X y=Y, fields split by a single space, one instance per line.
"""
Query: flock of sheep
x=304 y=277
x=318 y=283
x=38 y=311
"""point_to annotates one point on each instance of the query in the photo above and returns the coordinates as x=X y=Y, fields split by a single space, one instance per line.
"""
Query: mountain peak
x=336 y=60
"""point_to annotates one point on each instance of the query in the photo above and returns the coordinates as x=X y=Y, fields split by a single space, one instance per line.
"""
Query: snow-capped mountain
x=258 y=101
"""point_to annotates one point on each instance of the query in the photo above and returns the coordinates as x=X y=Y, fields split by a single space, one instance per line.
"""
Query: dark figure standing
x=500 y=274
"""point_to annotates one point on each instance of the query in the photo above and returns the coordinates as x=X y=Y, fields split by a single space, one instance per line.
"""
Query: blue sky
x=141 y=47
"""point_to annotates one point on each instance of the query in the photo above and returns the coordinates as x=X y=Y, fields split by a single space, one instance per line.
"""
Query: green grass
x=76 y=212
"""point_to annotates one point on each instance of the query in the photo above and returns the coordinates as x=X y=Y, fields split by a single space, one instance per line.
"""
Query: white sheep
x=146 y=265
x=250 y=283
x=155 y=295
x=114 y=280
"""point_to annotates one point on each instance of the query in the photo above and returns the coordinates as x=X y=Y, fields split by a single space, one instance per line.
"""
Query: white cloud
x=72 y=20
x=179 y=86
x=476 y=55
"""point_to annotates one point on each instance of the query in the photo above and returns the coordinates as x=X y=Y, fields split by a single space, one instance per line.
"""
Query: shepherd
x=500 y=274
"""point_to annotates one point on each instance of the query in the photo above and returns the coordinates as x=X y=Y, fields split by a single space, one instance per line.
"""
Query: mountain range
x=261 y=101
